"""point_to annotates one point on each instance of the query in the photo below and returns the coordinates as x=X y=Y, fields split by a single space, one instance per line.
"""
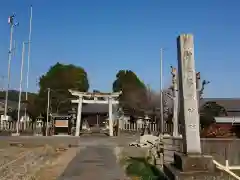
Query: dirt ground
x=21 y=161
x=46 y=158
x=54 y=169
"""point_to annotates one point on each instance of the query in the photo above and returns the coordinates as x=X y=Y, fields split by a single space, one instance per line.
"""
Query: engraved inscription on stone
x=189 y=74
x=192 y=126
x=190 y=110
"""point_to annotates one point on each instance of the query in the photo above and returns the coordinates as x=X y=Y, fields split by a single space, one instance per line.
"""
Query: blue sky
x=106 y=36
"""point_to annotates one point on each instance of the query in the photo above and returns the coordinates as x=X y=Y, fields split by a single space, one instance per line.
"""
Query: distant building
x=232 y=105
x=95 y=114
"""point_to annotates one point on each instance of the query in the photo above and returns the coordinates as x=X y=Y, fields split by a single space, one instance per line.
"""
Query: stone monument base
x=188 y=167
x=15 y=134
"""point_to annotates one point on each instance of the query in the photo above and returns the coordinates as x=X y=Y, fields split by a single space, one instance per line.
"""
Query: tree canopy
x=134 y=91
x=60 y=78
x=209 y=111
x=213 y=109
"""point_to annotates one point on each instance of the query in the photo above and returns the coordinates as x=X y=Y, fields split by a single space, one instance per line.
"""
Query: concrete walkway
x=94 y=163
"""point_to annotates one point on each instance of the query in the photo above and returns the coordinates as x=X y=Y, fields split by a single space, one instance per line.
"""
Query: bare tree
x=154 y=103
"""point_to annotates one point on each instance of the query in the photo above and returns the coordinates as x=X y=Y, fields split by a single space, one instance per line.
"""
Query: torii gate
x=109 y=98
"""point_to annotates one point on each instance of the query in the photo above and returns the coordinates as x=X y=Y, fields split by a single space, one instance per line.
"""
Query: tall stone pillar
x=190 y=164
x=79 y=116
x=188 y=95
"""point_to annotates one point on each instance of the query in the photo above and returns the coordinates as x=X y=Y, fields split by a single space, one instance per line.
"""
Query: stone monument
x=190 y=164
x=39 y=126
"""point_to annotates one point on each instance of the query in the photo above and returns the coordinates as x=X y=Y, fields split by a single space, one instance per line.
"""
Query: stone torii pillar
x=79 y=116
x=110 y=116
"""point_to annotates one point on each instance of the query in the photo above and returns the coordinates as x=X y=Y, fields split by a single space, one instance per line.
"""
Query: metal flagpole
x=20 y=87
x=12 y=25
x=161 y=89
x=28 y=62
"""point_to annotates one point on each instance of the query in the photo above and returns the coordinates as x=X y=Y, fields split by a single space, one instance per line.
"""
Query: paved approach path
x=95 y=161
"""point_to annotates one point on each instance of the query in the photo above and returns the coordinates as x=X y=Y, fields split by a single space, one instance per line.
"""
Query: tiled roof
x=95 y=108
x=230 y=104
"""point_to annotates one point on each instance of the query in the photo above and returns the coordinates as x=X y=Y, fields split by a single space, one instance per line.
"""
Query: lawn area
x=139 y=168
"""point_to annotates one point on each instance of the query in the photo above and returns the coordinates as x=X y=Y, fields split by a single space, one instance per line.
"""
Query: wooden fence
x=134 y=126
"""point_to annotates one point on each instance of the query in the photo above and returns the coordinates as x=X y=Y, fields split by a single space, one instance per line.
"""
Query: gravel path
x=93 y=163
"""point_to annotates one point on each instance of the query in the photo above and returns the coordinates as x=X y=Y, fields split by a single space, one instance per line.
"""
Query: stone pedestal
x=15 y=134
x=188 y=167
x=188 y=163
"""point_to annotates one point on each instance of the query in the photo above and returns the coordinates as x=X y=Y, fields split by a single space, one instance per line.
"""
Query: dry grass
x=54 y=168
x=25 y=161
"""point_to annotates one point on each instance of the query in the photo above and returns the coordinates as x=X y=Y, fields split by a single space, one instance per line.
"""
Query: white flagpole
x=161 y=90
x=28 y=62
x=20 y=87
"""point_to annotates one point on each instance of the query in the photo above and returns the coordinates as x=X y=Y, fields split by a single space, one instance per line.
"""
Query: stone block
x=145 y=138
x=175 y=174
x=187 y=163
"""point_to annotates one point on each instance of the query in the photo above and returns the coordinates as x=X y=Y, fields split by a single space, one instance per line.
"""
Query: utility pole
x=48 y=104
x=161 y=89
x=28 y=63
x=20 y=87
x=12 y=25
